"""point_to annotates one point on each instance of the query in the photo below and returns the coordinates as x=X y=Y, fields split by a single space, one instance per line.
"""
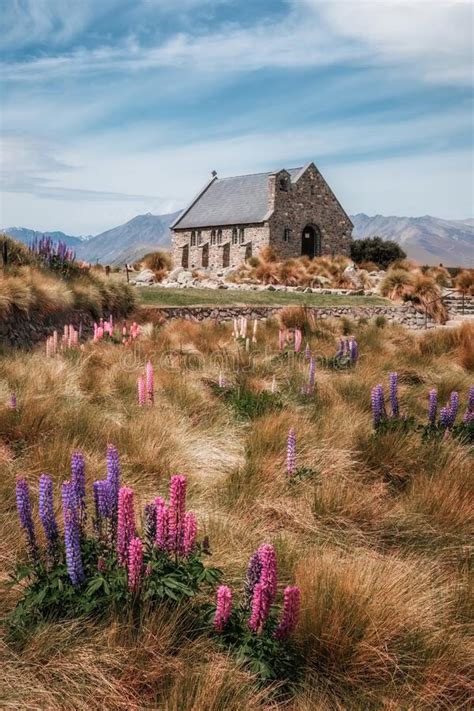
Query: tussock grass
x=378 y=534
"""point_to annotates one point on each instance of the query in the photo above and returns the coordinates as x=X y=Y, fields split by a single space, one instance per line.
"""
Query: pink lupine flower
x=221 y=380
x=190 y=533
x=141 y=391
x=291 y=609
x=298 y=340
x=291 y=452
x=281 y=339
x=126 y=523
x=161 y=535
x=176 y=513
x=260 y=608
x=268 y=576
x=150 y=383
x=223 y=607
x=135 y=564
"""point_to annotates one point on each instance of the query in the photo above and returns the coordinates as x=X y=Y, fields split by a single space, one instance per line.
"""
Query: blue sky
x=119 y=107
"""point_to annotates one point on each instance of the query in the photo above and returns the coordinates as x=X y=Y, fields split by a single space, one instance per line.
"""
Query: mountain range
x=427 y=239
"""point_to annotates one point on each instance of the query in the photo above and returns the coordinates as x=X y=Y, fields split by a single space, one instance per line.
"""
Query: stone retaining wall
x=24 y=331
x=405 y=314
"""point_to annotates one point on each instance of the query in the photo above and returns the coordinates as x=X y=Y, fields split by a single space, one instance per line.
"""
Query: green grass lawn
x=229 y=297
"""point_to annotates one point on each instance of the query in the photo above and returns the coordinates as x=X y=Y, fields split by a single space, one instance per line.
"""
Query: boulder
x=351 y=274
x=173 y=274
x=146 y=276
x=184 y=277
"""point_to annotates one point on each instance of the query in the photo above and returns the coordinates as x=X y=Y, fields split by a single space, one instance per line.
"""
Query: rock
x=146 y=276
x=351 y=274
x=173 y=274
x=270 y=287
x=322 y=281
x=184 y=277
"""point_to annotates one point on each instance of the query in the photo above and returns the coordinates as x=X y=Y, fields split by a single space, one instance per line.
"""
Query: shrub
x=377 y=250
x=159 y=262
x=464 y=281
x=396 y=283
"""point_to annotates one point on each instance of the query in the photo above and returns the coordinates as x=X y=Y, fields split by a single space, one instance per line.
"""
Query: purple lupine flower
x=176 y=513
x=46 y=512
x=340 y=350
x=23 y=504
x=254 y=570
x=312 y=375
x=162 y=520
x=190 y=533
x=353 y=350
x=150 y=523
x=432 y=406
x=444 y=417
x=378 y=404
x=393 y=379
x=291 y=609
x=291 y=453
x=72 y=534
x=113 y=477
x=453 y=407
x=469 y=414
x=307 y=352
x=102 y=503
x=78 y=481
x=223 y=607
x=126 y=523
x=13 y=404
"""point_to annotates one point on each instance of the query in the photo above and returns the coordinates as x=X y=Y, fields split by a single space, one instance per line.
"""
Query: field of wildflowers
x=210 y=516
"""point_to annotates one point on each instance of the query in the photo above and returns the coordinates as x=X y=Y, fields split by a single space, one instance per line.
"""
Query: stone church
x=230 y=219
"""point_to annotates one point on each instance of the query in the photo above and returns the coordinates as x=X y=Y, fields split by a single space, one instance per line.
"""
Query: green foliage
x=248 y=405
x=375 y=249
x=268 y=658
x=49 y=594
x=396 y=424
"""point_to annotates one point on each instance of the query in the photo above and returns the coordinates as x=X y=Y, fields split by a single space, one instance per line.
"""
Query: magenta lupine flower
x=23 y=504
x=432 y=406
x=141 y=391
x=149 y=528
x=453 y=407
x=298 y=339
x=135 y=564
x=190 y=533
x=393 y=379
x=78 y=481
x=223 y=607
x=291 y=609
x=101 y=565
x=72 y=535
x=254 y=570
x=444 y=417
x=113 y=477
x=378 y=404
x=291 y=452
x=126 y=523
x=150 y=382
x=46 y=512
x=265 y=590
x=162 y=516
x=13 y=404
x=177 y=506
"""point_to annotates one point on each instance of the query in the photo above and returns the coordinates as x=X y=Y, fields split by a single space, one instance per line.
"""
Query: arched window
x=213 y=236
x=193 y=238
x=283 y=184
x=234 y=235
x=241 y=235
x=286 y=234
x=199 y=236
x=219 y=236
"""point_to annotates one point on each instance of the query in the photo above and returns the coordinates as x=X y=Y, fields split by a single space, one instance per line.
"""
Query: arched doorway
x=185 y=257
x=311 y=241
x=205 y=255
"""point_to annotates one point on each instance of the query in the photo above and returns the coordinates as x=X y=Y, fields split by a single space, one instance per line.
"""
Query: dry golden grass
x=378 y=537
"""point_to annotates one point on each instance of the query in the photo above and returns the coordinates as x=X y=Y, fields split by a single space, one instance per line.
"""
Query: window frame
x=193 y=238
x=213 y=237
x=241 y=235
x=287 y=234
x=235 y=236
x=219 y=236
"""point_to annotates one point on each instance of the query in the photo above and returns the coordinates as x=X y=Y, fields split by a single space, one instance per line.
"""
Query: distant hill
x=23 y=234
x=429 y=240
x=128 y=242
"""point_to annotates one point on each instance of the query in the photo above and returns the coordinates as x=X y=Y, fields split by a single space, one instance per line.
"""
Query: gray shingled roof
x=229 y=201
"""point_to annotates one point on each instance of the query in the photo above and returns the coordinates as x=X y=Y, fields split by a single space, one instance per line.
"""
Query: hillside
x=429 y=240
x=25 y=235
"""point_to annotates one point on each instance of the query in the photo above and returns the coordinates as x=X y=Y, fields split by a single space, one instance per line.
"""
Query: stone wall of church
x=255 y=237
x=310 y=201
